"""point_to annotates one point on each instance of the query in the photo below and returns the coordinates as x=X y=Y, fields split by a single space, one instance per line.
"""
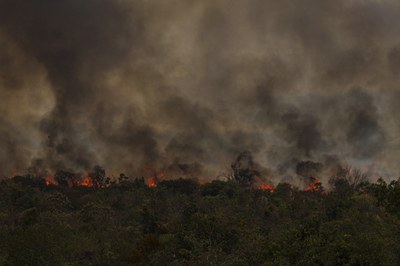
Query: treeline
x=181 y=222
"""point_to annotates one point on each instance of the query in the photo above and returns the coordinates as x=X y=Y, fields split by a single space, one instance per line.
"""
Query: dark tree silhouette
x=243 y=170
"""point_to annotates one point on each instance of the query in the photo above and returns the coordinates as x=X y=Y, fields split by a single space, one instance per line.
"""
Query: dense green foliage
x=183 y=223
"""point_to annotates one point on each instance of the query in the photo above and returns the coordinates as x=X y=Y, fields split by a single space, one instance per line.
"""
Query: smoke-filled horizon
x=188 y=85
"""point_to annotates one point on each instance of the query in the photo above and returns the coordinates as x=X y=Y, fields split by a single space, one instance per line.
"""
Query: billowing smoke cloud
x=189 y=85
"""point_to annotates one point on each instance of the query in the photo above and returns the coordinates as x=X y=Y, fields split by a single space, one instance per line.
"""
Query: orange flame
x=315 y=185
x=267 y=187
x=153 y=180
x=86 y=182
x=49 y=180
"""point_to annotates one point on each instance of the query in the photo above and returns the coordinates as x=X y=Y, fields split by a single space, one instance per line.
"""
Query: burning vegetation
x=314 y=185
x=153 y=180
x=267 y=187
x=168 y=92
x=50 y=181
x=244 y=172
x=158 y=221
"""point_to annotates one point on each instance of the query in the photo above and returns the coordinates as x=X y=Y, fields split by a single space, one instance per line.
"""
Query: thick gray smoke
x=188 y=85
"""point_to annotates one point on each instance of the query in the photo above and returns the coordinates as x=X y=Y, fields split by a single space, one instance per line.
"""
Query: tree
x=98 y=175
x=64 y=178
x=243 y=170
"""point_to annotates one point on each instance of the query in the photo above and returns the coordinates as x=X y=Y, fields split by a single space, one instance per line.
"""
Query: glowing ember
x=86 y=182
x=152 y=182
x=267 y=187
x=49 y=180
x=315 y=185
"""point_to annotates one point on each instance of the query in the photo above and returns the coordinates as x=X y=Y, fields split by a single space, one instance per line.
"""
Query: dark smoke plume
x=187 y=86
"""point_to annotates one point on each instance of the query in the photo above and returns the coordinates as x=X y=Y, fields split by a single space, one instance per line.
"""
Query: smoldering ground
x=127 y=84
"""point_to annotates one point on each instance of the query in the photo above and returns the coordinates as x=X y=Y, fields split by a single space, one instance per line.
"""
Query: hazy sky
x=187 y=85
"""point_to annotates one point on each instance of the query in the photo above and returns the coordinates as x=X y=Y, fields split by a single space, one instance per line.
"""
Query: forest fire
x=153 y=180
x=86 y=182
x=92 y=180
x=314 y=185
x=267 y=187
x=49 y=180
